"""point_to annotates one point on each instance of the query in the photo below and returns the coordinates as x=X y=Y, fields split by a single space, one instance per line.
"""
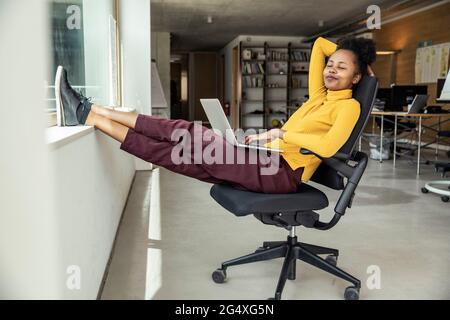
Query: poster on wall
x=432 y=63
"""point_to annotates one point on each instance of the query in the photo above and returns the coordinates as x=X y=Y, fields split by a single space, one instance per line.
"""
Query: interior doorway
x=234 y=112
x=179 y=91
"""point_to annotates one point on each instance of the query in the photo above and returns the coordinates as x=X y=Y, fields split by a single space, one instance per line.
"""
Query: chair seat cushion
x=242 y=203
x=444 y=134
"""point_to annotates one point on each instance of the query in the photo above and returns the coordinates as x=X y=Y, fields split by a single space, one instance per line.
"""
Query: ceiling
x=186 y=20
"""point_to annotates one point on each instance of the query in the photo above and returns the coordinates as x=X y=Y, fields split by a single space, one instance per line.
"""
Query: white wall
x=136 y=59
x=161 y=53
x=29 y=239
x=136 y=52
x=92 y=181
x=60 y=206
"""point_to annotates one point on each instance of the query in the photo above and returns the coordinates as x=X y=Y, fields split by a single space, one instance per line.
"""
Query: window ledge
x=57 y=137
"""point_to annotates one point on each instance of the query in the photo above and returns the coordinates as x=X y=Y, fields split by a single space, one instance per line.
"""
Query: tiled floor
x=392 y=226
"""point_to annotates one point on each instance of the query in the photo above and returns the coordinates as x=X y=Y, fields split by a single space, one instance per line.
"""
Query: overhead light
x=386 y=52
x=209 y=19
x=321 y=23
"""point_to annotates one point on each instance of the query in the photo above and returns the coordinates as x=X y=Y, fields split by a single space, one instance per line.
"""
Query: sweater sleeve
x=322 y=48
x=328 y=144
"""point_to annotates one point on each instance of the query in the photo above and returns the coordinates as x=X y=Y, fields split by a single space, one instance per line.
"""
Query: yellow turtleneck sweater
x=323 y=123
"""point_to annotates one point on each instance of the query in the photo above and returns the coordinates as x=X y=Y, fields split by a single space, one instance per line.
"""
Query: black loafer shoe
x=72 y=108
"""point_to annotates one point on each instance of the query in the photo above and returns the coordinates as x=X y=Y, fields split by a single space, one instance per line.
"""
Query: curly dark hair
x=364 y=49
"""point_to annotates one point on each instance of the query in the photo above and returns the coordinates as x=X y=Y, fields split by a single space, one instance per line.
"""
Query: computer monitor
x=404 y=95
x=385 y=95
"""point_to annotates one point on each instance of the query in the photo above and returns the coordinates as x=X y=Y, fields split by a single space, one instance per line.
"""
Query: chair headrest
x=365 y=93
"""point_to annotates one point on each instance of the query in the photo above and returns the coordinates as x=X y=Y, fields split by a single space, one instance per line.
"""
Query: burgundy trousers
x=160 y=141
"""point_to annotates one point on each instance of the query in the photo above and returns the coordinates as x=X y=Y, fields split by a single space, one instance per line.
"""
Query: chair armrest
x=353 y=173
x=338 y=155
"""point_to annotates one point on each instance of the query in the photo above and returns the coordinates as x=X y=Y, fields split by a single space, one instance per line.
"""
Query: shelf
x=285 y=55
x=284 y=100
x=267 y=114
x=277 y=115
x=253 y=127
x=252 y=114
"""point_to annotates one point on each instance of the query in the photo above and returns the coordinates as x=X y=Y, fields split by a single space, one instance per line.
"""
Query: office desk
x=413 y=116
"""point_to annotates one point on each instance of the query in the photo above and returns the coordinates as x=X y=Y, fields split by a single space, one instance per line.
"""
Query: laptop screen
x=445 y=93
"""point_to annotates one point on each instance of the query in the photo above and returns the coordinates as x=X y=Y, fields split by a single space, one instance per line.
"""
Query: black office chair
x=442 y=167
x=298 y=209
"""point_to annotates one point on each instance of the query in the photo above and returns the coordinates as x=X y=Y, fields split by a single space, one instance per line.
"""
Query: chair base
x=438 y=188
x=292 y=250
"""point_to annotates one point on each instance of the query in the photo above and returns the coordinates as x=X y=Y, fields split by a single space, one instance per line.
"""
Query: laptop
x=445 y=93
x=418 y=104
x=219 y=122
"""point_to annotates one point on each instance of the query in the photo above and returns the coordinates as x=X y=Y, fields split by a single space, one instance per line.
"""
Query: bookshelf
x=274 y=80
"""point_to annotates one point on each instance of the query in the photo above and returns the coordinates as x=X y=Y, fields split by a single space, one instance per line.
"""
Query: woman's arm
x=330 y=143
x=322 y=48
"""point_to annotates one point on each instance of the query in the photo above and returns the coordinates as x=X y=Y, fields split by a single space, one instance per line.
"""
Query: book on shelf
x=261 y=69
x=279 y=56
x=296 y=83
x=300 y=55
x=253 y=68
x=253 y=82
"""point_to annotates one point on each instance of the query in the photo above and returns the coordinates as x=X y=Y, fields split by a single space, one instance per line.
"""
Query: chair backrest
x=365 y=93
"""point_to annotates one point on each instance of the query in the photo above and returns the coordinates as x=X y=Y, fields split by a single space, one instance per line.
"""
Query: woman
x=322 y=125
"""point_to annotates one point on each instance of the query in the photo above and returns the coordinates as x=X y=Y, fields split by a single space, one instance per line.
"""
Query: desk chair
x=298 y=209
x=439 y=185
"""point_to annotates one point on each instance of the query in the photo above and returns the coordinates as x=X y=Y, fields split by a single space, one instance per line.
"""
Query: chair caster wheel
x=351 y=293
x=331 y=259
x=424 y=190
x=219 y=276
x=445 y=199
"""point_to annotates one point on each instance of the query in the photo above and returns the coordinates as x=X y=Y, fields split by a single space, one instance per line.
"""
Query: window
x=83 y=40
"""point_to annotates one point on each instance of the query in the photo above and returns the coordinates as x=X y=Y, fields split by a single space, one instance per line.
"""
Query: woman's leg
x=113 y=129
x=162 y=153
x=148 y=149
x=246 y=175
x=150 y=126
x=127 y=119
